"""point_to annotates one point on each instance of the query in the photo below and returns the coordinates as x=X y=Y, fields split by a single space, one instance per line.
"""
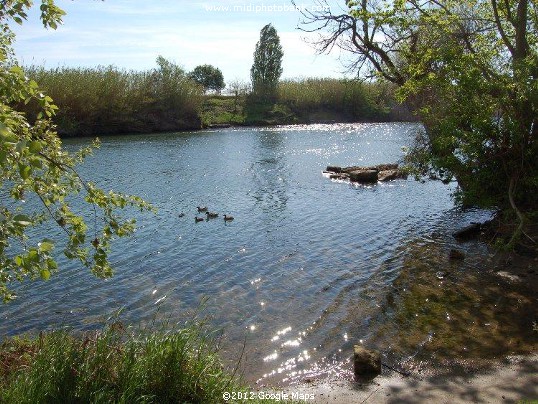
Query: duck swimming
x=198 y=219
x=202 y=208
x=228 y=218
x=211 y=215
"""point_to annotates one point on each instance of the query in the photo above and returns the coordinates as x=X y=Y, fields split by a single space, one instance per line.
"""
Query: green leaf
x=35 y=146
x=22 y=220
x=25 y=171
x=46 y=246
x=45 y=274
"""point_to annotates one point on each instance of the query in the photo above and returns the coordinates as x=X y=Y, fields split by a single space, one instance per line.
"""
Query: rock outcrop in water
x=366 y=175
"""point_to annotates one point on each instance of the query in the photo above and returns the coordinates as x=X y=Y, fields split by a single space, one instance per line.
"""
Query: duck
x=202 y=208
x=198 y=219
x=211 y=215
x=228 y=218
x=181 y=214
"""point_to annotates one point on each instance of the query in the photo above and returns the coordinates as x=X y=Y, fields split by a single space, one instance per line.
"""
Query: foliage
x=352 y=99
x=218 y=110
x=470 y=69
x=209 y=77
x=267 y=66
x=110 y=100
x=34 y=168
x=115 y=365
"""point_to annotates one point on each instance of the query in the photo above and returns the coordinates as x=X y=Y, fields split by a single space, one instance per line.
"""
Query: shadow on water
x=457 y=314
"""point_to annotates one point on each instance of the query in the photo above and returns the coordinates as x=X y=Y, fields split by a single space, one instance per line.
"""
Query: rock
x=334 y=169
x=456 y=254
x=365 y=362
x=369 y=175
x=386 y=167
x=341 y=176
x=468 y=232
x=364 y=176
x=354 y=168
x=389 y=175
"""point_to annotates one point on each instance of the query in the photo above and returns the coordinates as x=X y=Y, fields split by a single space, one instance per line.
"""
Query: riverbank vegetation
x=468 y=70
x=108 y=100
x=116 y=365
x=312 y=100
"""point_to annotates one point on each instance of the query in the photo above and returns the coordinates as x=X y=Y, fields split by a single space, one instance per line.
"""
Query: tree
x=238 y=89
x=209 y=77
x=35 y=167
x=267 y=66
x=470 y=70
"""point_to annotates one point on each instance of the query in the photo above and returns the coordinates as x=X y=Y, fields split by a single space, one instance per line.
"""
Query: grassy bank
x=108 y=100
x=94 y=101
x=115 y=365
x=309 y=101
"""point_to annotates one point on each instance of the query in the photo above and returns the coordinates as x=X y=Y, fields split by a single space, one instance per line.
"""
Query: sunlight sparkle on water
x=271 y=357
x=292 y=342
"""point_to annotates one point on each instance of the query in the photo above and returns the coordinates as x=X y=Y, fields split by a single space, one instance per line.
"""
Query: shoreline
x=512 y=379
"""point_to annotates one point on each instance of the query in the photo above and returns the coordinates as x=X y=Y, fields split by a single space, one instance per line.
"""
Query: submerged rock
x=456 y=254
x=365 y=362
x=473 y=230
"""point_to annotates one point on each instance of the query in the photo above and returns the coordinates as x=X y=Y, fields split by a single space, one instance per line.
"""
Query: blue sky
x=132 y=33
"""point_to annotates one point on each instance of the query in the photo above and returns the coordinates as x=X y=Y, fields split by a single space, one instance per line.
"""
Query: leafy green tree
x=470 y=69
x=267 y=67
x=34 y=167
x=209 y=77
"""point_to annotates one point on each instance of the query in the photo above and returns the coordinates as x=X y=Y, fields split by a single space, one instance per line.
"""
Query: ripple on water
x=306 y=261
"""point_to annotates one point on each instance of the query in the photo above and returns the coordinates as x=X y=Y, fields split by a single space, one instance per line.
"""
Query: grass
x=223 y=110
x=115 y=365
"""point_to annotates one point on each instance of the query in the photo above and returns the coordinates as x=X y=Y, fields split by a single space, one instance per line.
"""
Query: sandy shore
x=515 y=380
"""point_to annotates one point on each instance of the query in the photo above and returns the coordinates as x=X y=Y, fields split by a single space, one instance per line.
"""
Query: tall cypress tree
x=267 y=66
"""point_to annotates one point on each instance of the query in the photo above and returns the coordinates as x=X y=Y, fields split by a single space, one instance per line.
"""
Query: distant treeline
x=108 y=100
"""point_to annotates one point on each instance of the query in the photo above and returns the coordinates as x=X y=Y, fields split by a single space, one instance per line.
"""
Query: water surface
x=297 y=277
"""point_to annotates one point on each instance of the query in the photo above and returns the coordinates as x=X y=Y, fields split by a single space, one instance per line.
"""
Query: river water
x=293 y=281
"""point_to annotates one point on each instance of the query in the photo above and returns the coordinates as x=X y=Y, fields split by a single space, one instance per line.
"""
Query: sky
x=132 y=33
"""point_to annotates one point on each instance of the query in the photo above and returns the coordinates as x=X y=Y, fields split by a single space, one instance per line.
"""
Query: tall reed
x=353 y=98
x=106 y=99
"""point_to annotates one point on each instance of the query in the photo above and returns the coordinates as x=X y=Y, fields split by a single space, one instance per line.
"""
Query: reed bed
x=105 y=99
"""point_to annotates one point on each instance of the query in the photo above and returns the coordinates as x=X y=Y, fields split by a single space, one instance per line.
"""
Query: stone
x=365 y=362
x=456 y=254
x=473 y=230
x=334 y=169
x=364 y=176
x=388 y=175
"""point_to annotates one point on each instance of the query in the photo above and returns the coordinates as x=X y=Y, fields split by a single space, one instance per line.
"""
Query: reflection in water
x=304 y=271
x=269 y=172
